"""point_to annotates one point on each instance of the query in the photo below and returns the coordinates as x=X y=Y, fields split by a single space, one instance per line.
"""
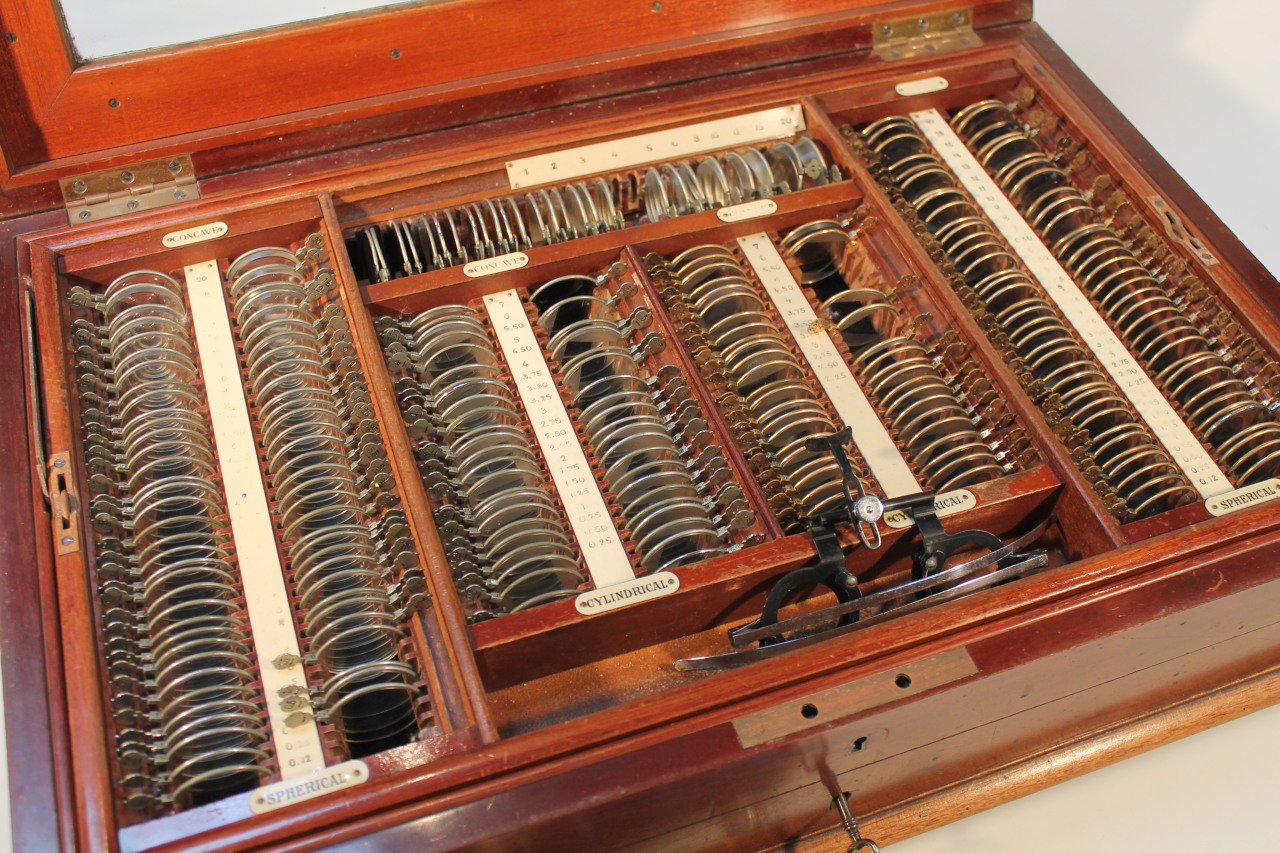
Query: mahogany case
x=577 y=724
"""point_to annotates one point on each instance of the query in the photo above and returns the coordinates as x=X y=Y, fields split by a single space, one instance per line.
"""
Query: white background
x=1201 y=79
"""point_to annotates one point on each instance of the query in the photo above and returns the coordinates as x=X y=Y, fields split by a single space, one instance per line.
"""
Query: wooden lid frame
x=274 y=94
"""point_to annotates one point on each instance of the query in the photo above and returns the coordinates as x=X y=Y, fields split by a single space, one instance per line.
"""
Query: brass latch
x=64 y=504
x=128 y=189
x=923 y=35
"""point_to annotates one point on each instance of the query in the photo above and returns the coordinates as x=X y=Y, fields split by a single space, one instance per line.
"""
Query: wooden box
x=299 y=553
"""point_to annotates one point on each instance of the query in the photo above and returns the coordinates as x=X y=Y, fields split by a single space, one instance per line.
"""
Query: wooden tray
x=551 y=729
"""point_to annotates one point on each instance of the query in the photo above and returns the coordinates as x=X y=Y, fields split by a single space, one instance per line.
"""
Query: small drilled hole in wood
x=903 y=680
x=809 y=711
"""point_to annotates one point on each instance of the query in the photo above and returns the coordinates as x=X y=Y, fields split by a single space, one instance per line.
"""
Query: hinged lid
x=288 y=92
x=140 y=186
x=921 y=35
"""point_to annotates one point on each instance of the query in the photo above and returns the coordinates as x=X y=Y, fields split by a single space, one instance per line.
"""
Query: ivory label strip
x=491 y=266
x=1186 y=450
x=602 y=548
x=266 y=599
x=198 y=234
x=747 y=210
x=923 y=86
x=570 y=163
x=869 y=434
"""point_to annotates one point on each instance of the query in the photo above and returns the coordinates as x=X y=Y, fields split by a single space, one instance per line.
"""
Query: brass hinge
x=141 y=186
x=924 y=35
x=64 y=504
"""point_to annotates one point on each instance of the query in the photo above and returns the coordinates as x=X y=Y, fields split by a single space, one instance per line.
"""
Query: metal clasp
x=64 y=504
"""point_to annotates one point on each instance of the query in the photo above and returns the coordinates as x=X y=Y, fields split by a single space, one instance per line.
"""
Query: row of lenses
x=733 y=177
x=484 y=229
x=334 y=493
x=660 y=459
x=1139 y=470
x=903 y=377
x=1220 y=407
x=500 y=522
x=180 y=659
x=741 y=328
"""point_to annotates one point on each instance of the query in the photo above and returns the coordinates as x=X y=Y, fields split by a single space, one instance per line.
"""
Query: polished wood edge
x=73 y=619
x=1210 y=215
x=125 y=109
x=408 y=801
x=1068 y=761
x=38 y=789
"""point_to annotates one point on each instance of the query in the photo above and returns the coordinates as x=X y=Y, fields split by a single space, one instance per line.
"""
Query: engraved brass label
x=627 y=592
x=836 y=703
x=198 y=234
x=1244 y=496
x=299 y=788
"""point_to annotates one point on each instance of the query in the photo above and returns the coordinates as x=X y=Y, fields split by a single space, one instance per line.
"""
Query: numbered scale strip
x=570 y=163
x=602 y=549
x=1186 y=450
x=297 y=747
x=869 y=434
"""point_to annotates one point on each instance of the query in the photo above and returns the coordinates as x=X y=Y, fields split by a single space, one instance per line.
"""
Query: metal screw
x=958 y=17
x=11 y=36
x=67 y=540
x=59 y=463
x=84 y=214
x=395 y=53
x=657 y=7
x=175 y=166
x=885 y=30
x=113 y=103
x=132 y=204
x=126 y=177
x=79 y=186
x=923 y=23
x=179 y=194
